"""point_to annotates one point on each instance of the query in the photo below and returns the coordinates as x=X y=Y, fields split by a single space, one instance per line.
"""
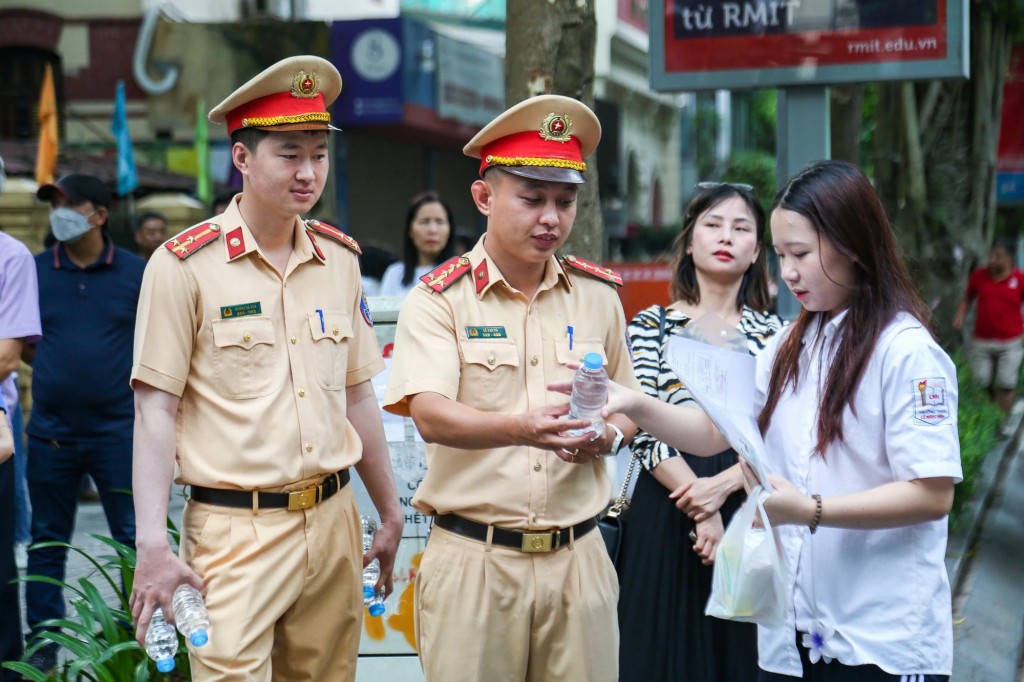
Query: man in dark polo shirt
x=82 y=404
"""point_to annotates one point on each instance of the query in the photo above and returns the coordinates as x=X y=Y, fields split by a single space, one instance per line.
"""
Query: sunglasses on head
x=715 y=185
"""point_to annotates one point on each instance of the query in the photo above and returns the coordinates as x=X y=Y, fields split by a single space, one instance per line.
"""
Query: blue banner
x=369 y=56
x=127 y=178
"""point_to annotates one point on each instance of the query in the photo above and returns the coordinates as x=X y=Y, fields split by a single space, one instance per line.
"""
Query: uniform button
x=309 y=447
x=536 y=467
x=294 y=340
x=302 y=393
x=247 y=336
x=534 y=360
x=335 y=331
x=491 y=359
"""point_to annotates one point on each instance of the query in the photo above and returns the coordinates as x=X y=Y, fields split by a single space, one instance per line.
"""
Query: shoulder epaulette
x=334 y=233
x=191 y=240
x=442 y=277
x=593 y=269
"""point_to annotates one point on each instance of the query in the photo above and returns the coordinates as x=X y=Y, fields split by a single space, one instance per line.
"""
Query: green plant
x=98 y=636
x=978 y=424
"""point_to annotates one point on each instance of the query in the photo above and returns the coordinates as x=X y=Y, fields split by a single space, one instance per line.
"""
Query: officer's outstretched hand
x=158 y=572
x=545 y=428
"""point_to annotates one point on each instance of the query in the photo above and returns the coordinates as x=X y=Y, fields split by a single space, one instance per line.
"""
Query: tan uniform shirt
x=260 y=373
x=496 y=351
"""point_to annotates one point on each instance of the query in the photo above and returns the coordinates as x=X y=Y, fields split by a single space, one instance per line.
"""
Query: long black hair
x=410 y=256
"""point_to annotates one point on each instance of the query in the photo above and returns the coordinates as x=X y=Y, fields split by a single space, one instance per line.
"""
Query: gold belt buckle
x=540 y=542
x=305 y=498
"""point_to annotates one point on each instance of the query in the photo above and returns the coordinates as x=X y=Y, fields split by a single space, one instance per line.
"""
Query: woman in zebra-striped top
x=664 y=570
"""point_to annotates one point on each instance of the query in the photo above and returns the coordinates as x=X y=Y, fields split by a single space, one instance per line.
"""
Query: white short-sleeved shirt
x=884 y=592
x=391 y=281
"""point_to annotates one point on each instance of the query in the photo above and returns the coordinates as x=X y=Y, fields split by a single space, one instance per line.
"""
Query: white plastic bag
x=750 y=582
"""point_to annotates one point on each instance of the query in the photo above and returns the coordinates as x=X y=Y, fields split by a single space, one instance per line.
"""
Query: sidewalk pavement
x=985 y=559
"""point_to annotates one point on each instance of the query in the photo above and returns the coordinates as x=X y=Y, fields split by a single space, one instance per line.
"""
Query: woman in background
x=719 y=267
x=428 y=243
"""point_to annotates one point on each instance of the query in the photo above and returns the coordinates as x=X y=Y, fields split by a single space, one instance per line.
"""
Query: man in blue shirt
x=82 y=412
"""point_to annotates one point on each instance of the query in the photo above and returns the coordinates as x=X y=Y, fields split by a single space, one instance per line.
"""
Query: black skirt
x=664 y=588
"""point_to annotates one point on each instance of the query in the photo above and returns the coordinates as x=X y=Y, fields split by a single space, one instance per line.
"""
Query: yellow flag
x=46 y=155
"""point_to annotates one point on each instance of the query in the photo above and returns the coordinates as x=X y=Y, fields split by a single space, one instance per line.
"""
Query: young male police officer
x=515 y=582
x=253 y=358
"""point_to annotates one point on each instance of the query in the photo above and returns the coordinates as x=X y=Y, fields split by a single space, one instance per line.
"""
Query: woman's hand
x=709 y=534
x=701 y=498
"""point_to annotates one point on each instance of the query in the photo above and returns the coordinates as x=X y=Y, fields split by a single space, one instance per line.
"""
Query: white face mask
x=69 y=225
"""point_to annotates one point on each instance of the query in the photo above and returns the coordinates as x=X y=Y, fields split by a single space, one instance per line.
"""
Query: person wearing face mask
x=428 y=243
x=82 y=415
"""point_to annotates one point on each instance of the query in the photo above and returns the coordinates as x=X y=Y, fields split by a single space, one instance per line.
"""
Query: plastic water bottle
x=161 y=642
x=371 y=574
x=589 y=395
x=190 y=614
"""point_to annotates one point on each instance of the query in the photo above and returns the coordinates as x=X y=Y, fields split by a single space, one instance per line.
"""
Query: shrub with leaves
x=97 y=637
x=978 y=423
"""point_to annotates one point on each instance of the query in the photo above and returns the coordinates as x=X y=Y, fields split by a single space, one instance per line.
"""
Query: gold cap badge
x=305 y=85
x=556 y=127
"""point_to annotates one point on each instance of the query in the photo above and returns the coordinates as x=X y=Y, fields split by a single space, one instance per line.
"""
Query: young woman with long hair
x=427 y=243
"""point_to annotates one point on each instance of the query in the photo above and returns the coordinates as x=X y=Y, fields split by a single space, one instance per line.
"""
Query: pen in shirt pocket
x=321 y=314
x=568 y=331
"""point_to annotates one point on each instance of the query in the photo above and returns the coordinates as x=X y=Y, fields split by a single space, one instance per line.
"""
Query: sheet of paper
x=722 y=383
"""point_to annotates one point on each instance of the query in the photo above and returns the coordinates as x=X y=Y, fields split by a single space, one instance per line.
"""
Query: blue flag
x=127 y=178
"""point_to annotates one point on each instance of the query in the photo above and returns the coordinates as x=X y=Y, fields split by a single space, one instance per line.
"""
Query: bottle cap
x=593 y=361
x=165 y=665
x=199 y=638
x=376 y=609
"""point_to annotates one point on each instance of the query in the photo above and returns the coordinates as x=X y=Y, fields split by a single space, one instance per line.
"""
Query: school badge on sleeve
x=931 y=405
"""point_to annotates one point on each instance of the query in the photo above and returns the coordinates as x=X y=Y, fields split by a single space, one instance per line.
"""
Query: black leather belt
x=293 y=500
x=523 y=540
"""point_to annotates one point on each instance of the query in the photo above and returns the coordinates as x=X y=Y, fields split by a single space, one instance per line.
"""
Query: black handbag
x=612 y=525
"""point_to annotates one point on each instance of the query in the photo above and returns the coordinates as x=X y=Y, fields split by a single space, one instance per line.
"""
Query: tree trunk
x=846 y=115
x=549 y=49
x=934 y=157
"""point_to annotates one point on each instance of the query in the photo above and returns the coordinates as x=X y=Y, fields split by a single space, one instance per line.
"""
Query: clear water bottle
x=190 y=614
x=589 y=395
x=373 y=599
x=161 y=642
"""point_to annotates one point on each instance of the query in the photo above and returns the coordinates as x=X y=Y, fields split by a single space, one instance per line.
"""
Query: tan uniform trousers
x=501 y=615
x=283 y=589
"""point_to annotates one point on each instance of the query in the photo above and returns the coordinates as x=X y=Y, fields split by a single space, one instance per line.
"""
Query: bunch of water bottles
x=192 y=620
x=373 y=598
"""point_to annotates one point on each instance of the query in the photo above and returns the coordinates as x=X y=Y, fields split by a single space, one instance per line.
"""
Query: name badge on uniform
x=930 y=403
x=240 y=310
x=486 y=332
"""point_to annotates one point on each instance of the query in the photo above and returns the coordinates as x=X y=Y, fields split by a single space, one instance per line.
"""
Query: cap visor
x=297 y=126
x=46 y=192
x=546 y=173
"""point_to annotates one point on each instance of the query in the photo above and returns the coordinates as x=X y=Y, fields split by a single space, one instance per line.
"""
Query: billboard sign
x=711 y=44
x=1010 y=158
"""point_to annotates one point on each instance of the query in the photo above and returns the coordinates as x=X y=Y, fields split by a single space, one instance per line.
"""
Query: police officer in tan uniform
x=253 y=356
x=515 y=582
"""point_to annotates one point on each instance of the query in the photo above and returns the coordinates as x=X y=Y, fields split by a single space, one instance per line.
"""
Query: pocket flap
x=491 y=354
x=580 y=347
x=336 y=326
x=244 y=332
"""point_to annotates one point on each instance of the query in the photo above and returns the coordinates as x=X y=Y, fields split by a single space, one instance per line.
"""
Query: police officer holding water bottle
x=515 y=582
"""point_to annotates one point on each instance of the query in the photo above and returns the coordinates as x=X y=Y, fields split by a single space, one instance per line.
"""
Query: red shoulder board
x=334 y=233
x=602 y=273
x=191 y=240
x=441 y=277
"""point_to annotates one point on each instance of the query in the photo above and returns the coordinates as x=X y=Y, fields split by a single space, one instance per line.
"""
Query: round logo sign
x=376 y=55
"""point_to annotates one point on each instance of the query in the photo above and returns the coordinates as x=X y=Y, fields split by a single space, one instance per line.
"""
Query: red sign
x=701 y=35
x=1011 y=132
x=713 y=44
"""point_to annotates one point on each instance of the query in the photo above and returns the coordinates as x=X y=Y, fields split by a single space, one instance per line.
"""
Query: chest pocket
x=489 y=371
x=580 y=347
x=244 y=358
x=330 y=348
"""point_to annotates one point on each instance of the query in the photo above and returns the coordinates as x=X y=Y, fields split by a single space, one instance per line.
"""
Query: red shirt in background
x=999 y=303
